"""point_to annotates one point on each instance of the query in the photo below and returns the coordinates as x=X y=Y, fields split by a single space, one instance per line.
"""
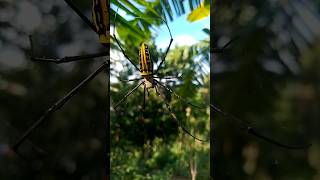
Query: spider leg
x=128 y=80
x=64 y=59
x=70 y=58
x=127 y=95
x=175 y=118
x=148 y=92
x=221 y=50
x=56 y=106
x=252 y=131
x=34 y=148
x=241 y=123
x=168 y=77
x=181 y=98
x=81 y=15
x=118 y=42
x=157 y=90
x=144 y=98
x=167 y=50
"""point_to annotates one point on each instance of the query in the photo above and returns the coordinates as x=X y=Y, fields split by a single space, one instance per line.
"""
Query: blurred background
x=70 y=144
x=270 y=78
x=267 y=77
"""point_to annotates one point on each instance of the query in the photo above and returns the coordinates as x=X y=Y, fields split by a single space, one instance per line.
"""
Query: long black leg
x=70 y=58
x=128 y=80
x=221 y=50
x=181 y=98
x=56 y=106
x=127 y=95
x=167 y=50
x=144 y=98
x=118 y=42
x=37 y=149
x=175 y=118
x=64 y=59
x=252 y=131
x=81 y=15
x=241 y=123
x=168 y=77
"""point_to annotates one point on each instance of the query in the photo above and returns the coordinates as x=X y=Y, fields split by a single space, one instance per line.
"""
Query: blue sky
x=183 y=32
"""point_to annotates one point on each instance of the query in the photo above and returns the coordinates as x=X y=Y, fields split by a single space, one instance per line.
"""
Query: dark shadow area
x=71 y=143
x=269 y=78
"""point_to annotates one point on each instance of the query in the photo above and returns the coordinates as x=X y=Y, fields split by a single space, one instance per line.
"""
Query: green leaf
x=131 y=6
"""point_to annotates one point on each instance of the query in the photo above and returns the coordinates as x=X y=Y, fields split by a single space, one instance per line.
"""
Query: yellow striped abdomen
x=146 y=65
x=100 y=17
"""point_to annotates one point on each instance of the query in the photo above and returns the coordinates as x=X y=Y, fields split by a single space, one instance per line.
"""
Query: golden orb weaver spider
x=148 y=74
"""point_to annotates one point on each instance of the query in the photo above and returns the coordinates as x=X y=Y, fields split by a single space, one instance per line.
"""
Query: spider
x=149 y=75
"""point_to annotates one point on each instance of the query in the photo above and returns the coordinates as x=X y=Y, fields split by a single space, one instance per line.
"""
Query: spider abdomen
x=146 y=65
x=100 y=17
